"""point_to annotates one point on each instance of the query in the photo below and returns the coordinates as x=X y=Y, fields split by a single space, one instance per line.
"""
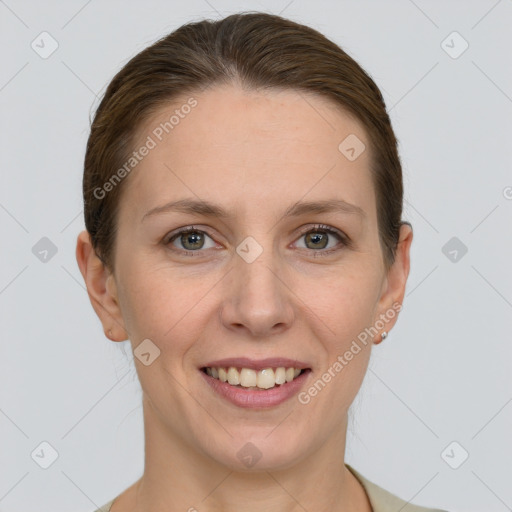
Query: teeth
x=248 y=378
x=266 y=378
x=223 y=374
x=233 y=376
x=280 y=375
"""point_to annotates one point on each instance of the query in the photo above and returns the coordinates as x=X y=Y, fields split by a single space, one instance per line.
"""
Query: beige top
x=380 y=499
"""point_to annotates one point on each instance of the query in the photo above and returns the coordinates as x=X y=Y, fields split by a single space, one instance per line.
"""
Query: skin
x=254 y=153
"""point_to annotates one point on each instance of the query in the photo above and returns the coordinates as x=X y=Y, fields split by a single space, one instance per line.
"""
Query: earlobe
x=101 y=288
x=383 y=336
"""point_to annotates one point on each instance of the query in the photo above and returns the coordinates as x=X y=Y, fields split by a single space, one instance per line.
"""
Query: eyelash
x=345 y=241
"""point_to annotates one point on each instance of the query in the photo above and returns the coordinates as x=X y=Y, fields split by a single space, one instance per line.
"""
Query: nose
x=257 y=298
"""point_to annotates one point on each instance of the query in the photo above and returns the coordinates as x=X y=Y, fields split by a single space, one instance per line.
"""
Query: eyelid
x=186 y=229
x=324 y=227
x=345 y=240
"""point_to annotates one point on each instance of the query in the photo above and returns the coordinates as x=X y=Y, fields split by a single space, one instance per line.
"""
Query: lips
x=254 y=397
x=255 y=382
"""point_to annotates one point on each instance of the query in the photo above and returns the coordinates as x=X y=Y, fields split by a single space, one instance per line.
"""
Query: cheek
x=164 y=308
x=345 y=302
x=347 y=310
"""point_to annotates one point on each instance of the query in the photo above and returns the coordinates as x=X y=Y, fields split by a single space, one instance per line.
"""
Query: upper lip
x=257 y=364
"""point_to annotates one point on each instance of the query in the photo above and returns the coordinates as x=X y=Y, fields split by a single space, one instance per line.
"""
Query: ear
x=393 y=287
x=101 y=288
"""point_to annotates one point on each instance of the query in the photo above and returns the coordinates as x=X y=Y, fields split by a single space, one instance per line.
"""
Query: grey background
x=442 y=375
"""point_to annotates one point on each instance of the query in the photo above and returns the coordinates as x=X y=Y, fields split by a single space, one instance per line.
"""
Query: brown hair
x=257 y=50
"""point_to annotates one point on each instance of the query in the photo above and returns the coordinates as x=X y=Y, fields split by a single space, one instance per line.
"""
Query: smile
x=251 y=388
x=248 y=378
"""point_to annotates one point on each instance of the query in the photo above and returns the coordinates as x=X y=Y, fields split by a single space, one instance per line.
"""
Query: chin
x=253 y=453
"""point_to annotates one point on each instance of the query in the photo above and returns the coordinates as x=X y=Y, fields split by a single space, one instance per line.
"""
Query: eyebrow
x=198 y=207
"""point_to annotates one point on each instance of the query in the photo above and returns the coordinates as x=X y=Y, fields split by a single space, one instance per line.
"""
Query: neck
x=177 y=477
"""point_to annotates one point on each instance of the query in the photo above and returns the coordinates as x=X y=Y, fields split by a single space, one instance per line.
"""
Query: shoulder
x=380 y=499
x=106 y=507
x=383 y=501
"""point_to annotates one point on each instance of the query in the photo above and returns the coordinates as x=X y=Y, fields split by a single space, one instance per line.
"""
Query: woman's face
x=253 y=283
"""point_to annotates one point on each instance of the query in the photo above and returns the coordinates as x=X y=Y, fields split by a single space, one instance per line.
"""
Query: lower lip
x=255 y=398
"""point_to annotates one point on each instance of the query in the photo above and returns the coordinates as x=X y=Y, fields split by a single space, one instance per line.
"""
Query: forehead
x=232 y=145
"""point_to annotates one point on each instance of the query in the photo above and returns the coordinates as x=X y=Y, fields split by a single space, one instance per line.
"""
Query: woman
x=243 y=201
